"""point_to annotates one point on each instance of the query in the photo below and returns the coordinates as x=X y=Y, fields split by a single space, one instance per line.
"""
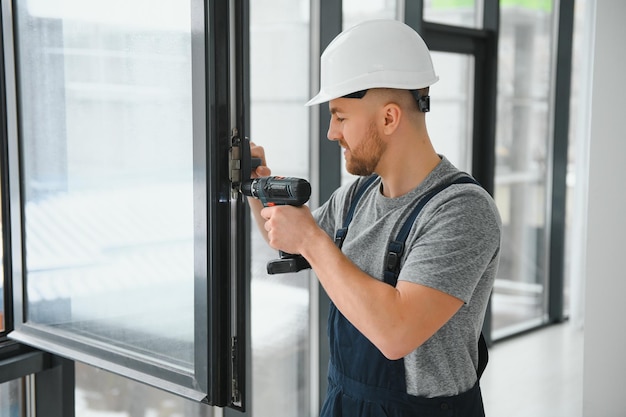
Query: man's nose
x=332 y=134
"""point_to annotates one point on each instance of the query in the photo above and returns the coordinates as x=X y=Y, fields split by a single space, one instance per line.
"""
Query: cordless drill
x=280 y=191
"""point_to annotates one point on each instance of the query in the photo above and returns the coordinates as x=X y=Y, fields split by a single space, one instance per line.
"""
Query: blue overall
x=362 y=382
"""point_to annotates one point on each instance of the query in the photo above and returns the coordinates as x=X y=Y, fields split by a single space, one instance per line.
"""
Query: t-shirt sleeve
x=453 y=241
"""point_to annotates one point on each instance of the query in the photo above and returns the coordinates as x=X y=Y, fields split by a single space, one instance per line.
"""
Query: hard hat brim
x=320 y=98
x=326 y=95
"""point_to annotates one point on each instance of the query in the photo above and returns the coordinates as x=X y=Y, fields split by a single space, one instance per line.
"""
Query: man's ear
x=392 y=116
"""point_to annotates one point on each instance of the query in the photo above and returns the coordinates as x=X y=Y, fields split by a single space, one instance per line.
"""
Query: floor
x=538 y=374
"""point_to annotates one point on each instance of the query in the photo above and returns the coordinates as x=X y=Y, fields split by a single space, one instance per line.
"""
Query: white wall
x=604 y=385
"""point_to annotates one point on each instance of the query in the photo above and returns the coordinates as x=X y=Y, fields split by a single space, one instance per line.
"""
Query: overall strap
x=340 y=235
x=395 y=249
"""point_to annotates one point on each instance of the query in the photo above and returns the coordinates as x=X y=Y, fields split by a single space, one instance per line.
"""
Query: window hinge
x=235 y=393
x=234 y=161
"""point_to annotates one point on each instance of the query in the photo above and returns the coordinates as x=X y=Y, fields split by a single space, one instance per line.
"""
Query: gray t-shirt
x=453 y=246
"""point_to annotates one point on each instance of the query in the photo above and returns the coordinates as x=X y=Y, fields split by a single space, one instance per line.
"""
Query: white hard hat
x=374 y=54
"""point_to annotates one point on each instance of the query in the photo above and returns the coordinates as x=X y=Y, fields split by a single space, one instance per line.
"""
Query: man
x=407 y=347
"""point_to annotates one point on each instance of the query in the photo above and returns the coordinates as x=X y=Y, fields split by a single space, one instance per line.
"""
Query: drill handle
x=287 y=263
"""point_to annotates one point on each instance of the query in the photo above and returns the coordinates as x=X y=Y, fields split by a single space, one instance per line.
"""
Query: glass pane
x=468 y=13
x=105 y=90
x=451 y=102
x=281 y=347
x=355 y=11
x=103 y=394
x=12 y=398
x=522 y=166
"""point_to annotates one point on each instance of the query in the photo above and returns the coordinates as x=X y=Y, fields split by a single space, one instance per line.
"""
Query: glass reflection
x=466 y=13
x=105 y=92
x=451 y=110
x=522 y=164
x=103 y=394
x=12 y=398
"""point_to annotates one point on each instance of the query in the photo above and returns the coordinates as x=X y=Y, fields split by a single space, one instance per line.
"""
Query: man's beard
x=364 y=158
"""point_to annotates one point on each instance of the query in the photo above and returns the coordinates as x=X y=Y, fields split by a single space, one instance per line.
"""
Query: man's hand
x=289 y=228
